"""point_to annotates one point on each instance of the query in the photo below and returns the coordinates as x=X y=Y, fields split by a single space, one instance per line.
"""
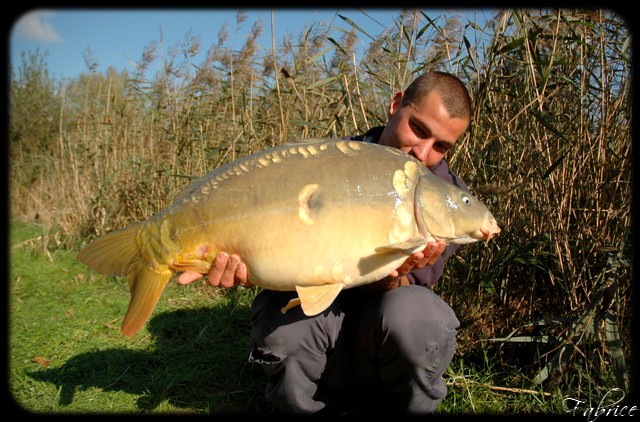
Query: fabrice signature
x=609 y=405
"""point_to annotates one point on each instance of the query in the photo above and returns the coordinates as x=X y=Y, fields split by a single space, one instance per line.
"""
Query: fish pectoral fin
x=408 y=246
x=196 y=265
x=315 y=299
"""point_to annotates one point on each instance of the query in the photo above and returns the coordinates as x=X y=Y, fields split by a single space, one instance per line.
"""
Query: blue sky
x=116 y=37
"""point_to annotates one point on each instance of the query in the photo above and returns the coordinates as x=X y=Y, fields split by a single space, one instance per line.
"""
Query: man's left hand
x=428 y=256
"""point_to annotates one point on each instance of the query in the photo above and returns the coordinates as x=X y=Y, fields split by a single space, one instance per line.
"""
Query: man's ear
x=395 y=104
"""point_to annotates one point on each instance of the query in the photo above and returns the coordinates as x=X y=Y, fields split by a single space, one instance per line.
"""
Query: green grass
x=482 y=390
x=66 y=352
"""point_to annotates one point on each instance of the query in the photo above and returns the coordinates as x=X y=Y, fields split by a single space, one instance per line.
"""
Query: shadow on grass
x=198 y=362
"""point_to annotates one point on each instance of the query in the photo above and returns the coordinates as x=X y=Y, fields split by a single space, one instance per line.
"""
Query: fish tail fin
x=112 y=253
x=117 y=253
x=146 y=286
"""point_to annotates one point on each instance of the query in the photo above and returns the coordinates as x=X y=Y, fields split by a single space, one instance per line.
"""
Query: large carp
x=316 y=217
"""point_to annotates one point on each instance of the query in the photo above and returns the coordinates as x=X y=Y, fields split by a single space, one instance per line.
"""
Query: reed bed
x=549 y=151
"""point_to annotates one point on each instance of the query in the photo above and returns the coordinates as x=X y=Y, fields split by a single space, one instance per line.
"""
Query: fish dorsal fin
x=311 y=141
x=187 y=190
x=408 y=246
x=315 y=299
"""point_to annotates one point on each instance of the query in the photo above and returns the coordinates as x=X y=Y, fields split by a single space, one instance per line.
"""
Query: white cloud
x=35 y=26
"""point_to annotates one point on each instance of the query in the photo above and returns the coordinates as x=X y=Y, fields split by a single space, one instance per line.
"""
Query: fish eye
x=466 y=199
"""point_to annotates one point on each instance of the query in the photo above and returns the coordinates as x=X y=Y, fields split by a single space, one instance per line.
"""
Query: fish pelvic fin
x=112 y=253
x=146 y=286
x=315 y=299
x=291 y=304
x=201 y=266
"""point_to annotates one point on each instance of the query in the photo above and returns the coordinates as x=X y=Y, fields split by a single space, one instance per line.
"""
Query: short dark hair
x=454 y=94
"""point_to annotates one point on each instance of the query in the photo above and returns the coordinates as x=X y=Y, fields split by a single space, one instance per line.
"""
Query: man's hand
x=226 y=271
x=428 y=256
x=398 y=278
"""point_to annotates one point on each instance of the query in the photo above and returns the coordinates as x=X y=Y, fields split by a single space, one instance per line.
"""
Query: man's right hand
x=226 y=271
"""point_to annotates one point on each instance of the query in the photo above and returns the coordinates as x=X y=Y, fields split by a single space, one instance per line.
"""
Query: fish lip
x=490 y=230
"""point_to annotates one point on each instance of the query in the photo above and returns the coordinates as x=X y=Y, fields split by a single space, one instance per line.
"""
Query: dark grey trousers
x=389 y=349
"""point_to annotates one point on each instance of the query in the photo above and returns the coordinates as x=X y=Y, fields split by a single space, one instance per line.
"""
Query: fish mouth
x=489 y=229
x=486 y=232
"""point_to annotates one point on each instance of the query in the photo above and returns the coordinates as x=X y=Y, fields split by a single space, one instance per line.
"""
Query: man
x=387 y=343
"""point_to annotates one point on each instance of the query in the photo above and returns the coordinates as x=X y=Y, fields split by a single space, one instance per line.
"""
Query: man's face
x=423 y=130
